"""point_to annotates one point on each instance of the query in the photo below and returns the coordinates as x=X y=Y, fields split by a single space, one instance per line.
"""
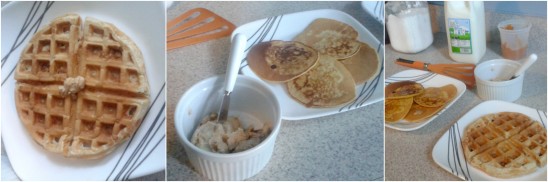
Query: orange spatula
x=462 y=72
x=196 y=26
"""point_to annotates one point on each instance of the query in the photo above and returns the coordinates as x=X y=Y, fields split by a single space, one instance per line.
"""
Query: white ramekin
x=250 y=98
x=488 y=72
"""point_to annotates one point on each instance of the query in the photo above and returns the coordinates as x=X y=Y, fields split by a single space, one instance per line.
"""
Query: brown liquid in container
x=511 y=53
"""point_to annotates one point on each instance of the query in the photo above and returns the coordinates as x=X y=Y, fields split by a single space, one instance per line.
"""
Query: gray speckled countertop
x=409 y=154
x=346 y=146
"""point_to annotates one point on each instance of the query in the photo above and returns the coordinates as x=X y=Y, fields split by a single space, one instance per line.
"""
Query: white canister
x=491 y=80
x=408 y=26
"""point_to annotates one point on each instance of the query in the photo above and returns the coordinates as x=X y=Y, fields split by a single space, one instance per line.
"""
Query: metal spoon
x=239 y=42
x=530 y=60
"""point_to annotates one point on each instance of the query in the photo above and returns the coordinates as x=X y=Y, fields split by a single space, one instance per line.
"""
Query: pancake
x=326 y=85
x=451 y=91
x=403 y=89
x=281 y=61
x=432 y=97
x=364 y=65
x=396 y=109
x=418 y=113
x=330 y=37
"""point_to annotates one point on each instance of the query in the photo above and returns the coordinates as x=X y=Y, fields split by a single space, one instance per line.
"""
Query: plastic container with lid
x=408 y=26
x=465 y=27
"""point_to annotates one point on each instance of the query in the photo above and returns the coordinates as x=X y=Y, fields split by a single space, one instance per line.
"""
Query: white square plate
x=286 y=27
x=427 y=79
x=145 y=152
x=448 y=151
x=375 y=9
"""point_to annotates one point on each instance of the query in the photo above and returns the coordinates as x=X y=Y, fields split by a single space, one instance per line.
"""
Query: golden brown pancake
x=328 y=84
x=419 y=113
x=330 y=37
x=403 y=89
x=281 y=61
x=396 y=109
x=363 y=65
x=451 y=91
x=432 y=97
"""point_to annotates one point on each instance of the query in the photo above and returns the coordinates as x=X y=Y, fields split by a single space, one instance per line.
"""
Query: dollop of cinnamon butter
x=71 y=86
x=229 y=136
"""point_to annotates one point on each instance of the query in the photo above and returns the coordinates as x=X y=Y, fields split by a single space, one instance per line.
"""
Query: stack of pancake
x=321 y=66
x=410 y=101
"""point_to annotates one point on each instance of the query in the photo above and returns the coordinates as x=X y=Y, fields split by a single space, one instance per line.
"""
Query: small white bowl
x=251 y=99
x=487 y=74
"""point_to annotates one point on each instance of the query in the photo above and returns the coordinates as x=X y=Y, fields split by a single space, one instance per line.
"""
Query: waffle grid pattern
x=92 y=122
x=105 y=63
x=505 y=144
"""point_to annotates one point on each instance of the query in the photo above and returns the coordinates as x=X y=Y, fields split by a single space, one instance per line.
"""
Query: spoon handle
x=239 y=42
x=530 y=60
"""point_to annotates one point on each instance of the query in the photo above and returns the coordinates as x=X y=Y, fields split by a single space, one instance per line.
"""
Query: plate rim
x=424 y=123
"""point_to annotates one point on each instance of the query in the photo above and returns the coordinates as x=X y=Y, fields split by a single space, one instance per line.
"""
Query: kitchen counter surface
x=346 y=146
x=409 y=154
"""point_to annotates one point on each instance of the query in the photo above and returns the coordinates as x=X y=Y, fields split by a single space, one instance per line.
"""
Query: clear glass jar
x=408 y=26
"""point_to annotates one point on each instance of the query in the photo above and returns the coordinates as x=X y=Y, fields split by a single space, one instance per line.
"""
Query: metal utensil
x=239 y=42
x=196 y=26
x=462 y=72
x=530 y=60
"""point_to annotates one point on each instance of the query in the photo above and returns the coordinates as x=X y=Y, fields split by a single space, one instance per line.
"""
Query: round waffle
x=505 y=145
x=81 y=91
